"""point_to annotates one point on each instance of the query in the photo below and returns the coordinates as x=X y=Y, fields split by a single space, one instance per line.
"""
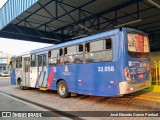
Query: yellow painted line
x=148 y=99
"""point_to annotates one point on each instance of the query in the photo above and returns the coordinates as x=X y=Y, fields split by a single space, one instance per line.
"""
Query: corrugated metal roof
x=12 y=9
x=65 y=16
x=46 y=14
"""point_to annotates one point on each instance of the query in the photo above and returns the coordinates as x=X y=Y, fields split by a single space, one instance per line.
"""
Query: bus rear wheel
x=62 y=89
x=21 y=85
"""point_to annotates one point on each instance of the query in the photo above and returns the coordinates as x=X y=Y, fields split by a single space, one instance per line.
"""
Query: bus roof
x=80 y=40
x=76 y=41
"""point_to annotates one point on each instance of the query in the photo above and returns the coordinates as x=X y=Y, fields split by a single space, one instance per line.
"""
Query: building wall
x=4 y=61
x=155 y=56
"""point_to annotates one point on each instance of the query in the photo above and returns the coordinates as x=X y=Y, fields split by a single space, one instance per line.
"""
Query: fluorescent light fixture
x=79 y=36
x=128 y=23
x=154 y=3
x=50 y=39
x=84 y=27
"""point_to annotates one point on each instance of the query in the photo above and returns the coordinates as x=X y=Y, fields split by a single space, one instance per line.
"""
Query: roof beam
x=108 y=22
x=101 y=13
x=154 y=3
x=35 y=22
x=35 y=29
x=46 y=10
x=82 y=11
x=85 y=4
x=34 y=12
x=31 y=32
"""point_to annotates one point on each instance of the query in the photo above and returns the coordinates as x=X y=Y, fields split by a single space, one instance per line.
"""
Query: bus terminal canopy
x=57 y=21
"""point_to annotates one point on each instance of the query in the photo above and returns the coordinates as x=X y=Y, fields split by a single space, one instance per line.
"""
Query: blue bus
x=112 y=63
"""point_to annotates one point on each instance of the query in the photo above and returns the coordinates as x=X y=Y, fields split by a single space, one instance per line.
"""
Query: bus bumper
x=125 y=87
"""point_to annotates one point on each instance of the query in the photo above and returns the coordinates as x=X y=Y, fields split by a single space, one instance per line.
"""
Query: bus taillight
x=127 y=74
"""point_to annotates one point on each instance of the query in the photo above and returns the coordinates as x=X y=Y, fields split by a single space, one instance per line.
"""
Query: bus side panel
x=13 y=77
x=103 y=81
x=98 y=79
x=94 y=79
x=33 y=76
x=79 y=75
x=71 y=74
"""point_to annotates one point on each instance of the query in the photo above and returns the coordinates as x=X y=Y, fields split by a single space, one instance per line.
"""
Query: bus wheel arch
x=19 y=82
x=62 y=88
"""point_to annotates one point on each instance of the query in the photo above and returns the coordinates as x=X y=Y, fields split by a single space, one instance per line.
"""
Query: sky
x=14 y=47
x=2 y=2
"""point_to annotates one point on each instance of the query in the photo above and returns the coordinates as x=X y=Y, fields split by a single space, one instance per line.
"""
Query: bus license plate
x=140 y=76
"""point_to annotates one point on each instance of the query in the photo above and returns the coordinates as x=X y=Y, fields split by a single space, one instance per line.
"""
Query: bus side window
x=53 y=56
x=44 y=60
x=80 y=48
x=108 y=48
x=49 y=54
x=49 y=58
x=39 y=60
x=70 y=54
x=33 y=60
x=79 y=54
x=60 y=52
x=108 y=44
x=87 y=54
x=87 y=47
x=65 y=51
x=19 y=62
x=66 y=56
x=99 y=51
x=61 y=61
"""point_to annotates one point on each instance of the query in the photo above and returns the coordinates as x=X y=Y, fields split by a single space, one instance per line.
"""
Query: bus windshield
x=138 y=45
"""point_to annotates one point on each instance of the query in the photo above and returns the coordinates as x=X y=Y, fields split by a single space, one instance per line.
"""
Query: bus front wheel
x=62 y=89
x=21 y=85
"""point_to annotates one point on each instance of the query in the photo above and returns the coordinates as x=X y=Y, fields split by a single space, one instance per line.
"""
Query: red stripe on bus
x=50 y=78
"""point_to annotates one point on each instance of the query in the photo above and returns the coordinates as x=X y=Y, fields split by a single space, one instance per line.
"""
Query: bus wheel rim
x=62 y=89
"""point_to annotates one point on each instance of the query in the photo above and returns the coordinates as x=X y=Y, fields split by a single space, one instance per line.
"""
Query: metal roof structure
x=57 y=21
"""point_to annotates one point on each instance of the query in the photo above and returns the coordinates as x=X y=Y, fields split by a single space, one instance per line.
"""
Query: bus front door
x=42 y=70
x=27 y=71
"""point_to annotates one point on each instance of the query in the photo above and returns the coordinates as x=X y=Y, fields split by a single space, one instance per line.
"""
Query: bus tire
x=21 y=85
x=62 y=89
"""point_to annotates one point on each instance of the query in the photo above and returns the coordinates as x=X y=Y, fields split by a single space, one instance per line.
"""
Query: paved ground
x=4 y=81
x=139 y=101
x=8 y=104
